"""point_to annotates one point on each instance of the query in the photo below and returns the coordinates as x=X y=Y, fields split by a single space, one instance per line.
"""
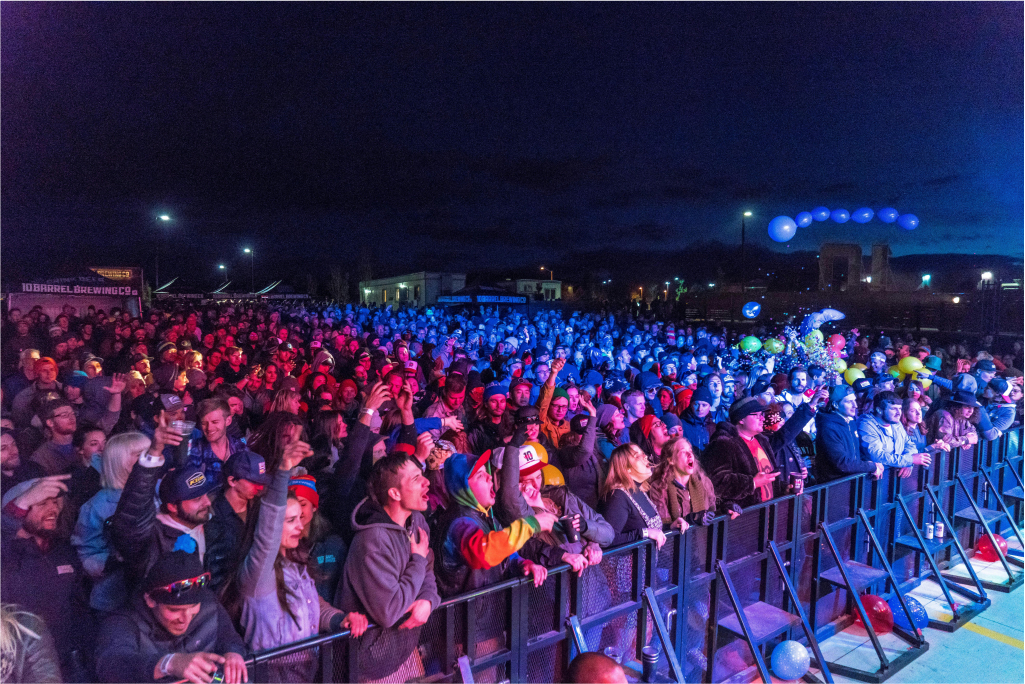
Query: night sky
x=497 y=136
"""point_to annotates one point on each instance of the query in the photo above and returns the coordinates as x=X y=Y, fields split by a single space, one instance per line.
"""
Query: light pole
x=743 y=240
x=160 y=241
x=224 y=268
x=252 y=270
x=551 y=276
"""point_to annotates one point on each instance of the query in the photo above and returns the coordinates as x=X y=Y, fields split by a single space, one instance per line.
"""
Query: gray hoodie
x=382 y=579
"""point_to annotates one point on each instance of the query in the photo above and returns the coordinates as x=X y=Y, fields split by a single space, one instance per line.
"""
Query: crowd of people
x=185 y=488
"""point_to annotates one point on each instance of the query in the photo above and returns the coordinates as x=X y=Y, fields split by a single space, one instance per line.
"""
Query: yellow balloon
x=852 y=374
x=552 y=475
x=909 y=364
x=925 y=383
x=894 y=371
x=859 y=366
x=839 y=365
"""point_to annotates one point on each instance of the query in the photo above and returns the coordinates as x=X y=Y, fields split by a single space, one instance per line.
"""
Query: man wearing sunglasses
x=174 y=630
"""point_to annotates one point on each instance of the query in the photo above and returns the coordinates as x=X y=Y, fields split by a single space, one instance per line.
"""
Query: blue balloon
x=751 y=309
x=803 y=219
x=887 y=214
x=907 y=221
x=840 y=215
x=919 y=617
x=790 y=660
x=782 y=229
x=863 y=215
x=820 y=213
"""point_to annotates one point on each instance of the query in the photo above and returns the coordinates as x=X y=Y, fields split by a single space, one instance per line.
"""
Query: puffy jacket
x=132 y=642
x=224 y=532
x=91 y=540
x=837 y=448
x=695 y=430
x=135 y=532
x=884 y=443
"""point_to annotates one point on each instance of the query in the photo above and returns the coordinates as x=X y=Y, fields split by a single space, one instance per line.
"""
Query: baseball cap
x=184 y=484
x=986 y=365
x=136 y=358
x=245 y=465
x=171 y=402
x=410 y=367
x=579 y=423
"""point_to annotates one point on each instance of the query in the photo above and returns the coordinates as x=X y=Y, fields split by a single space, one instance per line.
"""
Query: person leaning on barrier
x=473 y=551
x=173 y=630
x=741 y=460
x=389 y=572
x=884 y=440
x=680 y=489
x=837 y=445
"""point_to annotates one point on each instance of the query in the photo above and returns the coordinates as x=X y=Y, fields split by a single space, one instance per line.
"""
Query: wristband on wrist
x=369 y=411
x=165 y=664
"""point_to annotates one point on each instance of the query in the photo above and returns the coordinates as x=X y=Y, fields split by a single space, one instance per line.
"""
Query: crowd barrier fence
x=674 y=597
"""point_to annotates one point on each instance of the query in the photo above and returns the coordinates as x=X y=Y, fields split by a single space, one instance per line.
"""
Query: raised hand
x=293 y=454
x=44 y=488
x=118 y=382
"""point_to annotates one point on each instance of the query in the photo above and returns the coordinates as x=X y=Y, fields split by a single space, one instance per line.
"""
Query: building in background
x=549 y=290
x=416 y=289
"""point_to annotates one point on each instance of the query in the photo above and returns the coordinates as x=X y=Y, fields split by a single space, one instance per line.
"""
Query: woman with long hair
x=625 y=502
x=611 y=421
x=680 y=489
x=275 y=434
x=278 y=599
x=913 y=422
x=324 y=550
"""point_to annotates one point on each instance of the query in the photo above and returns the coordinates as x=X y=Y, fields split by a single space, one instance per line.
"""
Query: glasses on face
x=181 y=586
x=64 y=414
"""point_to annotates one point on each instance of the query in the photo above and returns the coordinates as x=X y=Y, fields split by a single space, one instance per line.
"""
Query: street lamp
x=743 y=238
x=160 y=240
x=926 y=279
x=224 y=268
x=252 y=276
x=551 y=276
x=987 y=275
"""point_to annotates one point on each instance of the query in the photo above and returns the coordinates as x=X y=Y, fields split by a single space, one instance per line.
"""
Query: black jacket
x=51 y=584
x=732 y=467
x=223 y=533
x=135 y=533
x=784 y=443
x=582 y=468
x=838 y=448
x=132 y=642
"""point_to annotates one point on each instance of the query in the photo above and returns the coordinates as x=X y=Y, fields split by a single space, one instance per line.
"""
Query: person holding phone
x=741 y=460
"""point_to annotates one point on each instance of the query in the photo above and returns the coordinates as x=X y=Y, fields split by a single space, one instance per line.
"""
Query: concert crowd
x=189 y=487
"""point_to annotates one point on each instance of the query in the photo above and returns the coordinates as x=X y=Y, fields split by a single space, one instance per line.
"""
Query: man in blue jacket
x=837 y=447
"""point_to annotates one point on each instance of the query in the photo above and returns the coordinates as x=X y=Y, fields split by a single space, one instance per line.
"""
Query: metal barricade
x=516 y=632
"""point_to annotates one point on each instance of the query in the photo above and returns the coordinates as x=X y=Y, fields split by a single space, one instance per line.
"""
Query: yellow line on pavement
x=986 y=632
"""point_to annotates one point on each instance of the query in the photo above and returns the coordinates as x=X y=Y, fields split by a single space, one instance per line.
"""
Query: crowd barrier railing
x=675 y=599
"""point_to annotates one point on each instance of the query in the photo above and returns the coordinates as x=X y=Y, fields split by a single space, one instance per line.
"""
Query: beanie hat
x=168 y=581
x=605 y=414
x=742 y=408
x=702 y=394
x=839 y=393
x=305 y=487
x=348 y=382
x=672 y=421
x=645 y=424
x=494 y=391
x=773 y=415
x=78 y=379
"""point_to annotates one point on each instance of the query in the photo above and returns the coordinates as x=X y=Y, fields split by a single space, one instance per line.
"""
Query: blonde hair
x=13 y=631
x=619 y=470
x=120 y=455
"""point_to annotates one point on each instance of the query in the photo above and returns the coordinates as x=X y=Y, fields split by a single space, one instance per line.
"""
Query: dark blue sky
x=493 y=135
